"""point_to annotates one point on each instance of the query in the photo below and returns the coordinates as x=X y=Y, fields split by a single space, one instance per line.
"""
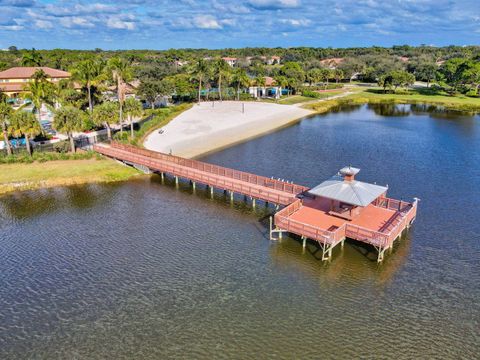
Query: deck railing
x=214 y=180
x=283 y=221
x=392 y=204
x=217 y=170
x=376 y=238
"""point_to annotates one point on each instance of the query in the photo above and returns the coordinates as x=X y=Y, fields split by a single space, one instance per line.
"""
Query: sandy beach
x=211 y=126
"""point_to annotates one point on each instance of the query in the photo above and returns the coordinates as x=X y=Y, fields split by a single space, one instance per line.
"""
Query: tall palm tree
x=106 y=114
x=89 y=73
x=133 y=109
x=222 y=69
x=240 y=79
x=67 y=120
x=6 y=112
x=200 y=71
x=32 y=58
x=24 y=123
x=39 y=91
x=121 y=73
x=261 y=82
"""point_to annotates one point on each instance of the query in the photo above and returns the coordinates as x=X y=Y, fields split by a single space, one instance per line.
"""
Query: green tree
x=121 y=73
x=32 y=58
x=89 y=73
x=222 y=70
x=23 y=123
x=240 y=79
x=39 y=91
x=133 y=109
x=6 y=112
x=294 y=73
x=200 y=72
x=67 y=120
x=314 y=76
x=105 y=115
x=338 y=74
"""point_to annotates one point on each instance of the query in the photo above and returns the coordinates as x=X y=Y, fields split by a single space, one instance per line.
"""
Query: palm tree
x=121 y=73
x=282 y=81
x=67 y=120
x=200 y=72
x=338 y=74
x=222 y=70
x=32 y=58
x=24 y=123
x=106 y=114
x=133 y=109
x=39 y=91
x=240 y=79
x=89 y=73
x=260 y=81
x=6 y=112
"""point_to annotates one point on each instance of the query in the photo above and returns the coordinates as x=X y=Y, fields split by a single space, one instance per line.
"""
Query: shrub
x=311 y=94
x=61 y=147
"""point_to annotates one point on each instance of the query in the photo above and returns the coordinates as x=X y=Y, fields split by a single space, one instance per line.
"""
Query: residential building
x=13 y=80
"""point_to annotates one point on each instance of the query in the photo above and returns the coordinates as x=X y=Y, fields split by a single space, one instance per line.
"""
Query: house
x=272 y=60
x=13 y=80
x=332 y=63
x=230 y=61
x=269 y=90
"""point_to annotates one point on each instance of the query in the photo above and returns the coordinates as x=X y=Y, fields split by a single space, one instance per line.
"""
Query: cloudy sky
x=162 y=24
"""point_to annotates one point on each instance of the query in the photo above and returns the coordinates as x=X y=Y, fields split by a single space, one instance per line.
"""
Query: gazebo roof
x=351 y=192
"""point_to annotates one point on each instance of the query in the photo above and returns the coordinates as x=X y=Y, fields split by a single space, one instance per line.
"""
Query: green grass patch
x=14 y=177
x=375 y=96
x=42 y=157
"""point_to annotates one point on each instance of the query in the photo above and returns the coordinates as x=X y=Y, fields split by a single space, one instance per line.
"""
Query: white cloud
x=76 y=22
x=206 y=22
x=43 y=24
x=273 y=4
x=296 y=22
x=120 y=22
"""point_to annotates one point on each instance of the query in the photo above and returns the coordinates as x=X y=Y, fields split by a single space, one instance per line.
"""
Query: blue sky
x=149 y=24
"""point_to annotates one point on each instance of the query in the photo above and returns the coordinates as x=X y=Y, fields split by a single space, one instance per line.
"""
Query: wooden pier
x=327 y=221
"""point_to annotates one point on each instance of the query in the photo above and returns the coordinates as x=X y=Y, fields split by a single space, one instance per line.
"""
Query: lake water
x=145 y=270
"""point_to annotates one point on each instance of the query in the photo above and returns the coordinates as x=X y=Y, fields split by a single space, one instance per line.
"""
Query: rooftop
x=27 y=72
x=344 y=188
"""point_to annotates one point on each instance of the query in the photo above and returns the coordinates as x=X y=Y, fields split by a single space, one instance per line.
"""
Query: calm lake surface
x=145 y=270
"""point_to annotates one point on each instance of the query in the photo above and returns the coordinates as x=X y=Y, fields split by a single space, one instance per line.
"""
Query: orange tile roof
x=27 y=72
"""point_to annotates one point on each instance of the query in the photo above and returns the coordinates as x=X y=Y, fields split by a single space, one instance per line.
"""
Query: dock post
x=231 y=195
x=304 y=245
x=176 y=180
x=211 y=191
x=193 y=185
x=342 y=243
x=271 y=226
x=162 y=175
x=253 y=203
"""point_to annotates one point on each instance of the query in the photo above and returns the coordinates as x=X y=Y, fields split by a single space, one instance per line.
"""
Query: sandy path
x=211 y=126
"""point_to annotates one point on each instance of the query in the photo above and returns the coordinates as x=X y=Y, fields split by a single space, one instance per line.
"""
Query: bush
x=61 y=147
x=311 y=94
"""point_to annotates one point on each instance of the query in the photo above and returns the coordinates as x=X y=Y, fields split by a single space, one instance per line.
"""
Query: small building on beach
x=268 y=90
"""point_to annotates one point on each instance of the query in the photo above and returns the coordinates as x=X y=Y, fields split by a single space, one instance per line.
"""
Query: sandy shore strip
x=210 y=126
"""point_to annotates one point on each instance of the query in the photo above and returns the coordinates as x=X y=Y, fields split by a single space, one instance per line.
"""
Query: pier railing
x=217 y=170
x=215 y=180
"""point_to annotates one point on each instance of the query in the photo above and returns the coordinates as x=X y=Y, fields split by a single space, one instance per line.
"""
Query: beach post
x=243 y=108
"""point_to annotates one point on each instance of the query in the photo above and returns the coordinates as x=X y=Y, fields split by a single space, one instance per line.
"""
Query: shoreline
x=210 y=127
x=20 y=177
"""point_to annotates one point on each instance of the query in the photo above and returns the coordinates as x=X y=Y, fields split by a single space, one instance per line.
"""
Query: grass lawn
x=297 y=99
x=59 y=173
x=375 y=96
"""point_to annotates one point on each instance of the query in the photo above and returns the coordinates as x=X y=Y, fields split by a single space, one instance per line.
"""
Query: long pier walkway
x=378 y=222
x=255 y=186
